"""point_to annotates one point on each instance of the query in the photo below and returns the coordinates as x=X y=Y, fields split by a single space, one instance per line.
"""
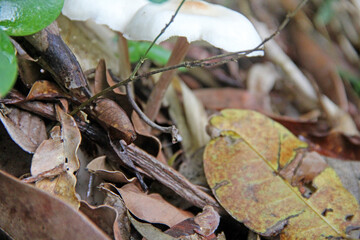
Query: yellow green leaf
x=243 y=167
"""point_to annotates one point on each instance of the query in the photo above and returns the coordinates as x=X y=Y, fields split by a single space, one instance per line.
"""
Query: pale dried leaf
x=26 y=129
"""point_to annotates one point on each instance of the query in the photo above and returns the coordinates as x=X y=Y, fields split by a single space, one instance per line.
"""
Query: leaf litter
x=279 y=185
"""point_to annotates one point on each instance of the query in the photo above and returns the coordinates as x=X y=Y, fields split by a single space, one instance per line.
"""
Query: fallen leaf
x=320 y=139
x=152 y=208
x=49 y=154
x=42 y=90
x=189 y=114
x=242 y=166
x=320 y=65
x=100 y=77
x=103 y=216
x=60 y=150
x=29 y=213
x=222 y=98
x=144 y=140
x=26 y=129
x=122 y=228
x=100 y=167
x=114 y=118
x=202 y=226
x=149 y=231
x=71 y=138
x=62 y=186
x=13 y=159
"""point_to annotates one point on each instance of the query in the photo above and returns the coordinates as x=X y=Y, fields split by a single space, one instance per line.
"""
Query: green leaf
x=25 y=17
x=8 y=64
x=157 y=54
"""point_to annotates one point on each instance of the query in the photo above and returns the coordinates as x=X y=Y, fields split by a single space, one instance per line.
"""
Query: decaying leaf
x=114 y=118
x=243 y=168
x=29 y=213
x=62 y=186
x=202 y=226
x=100 y=167
x=152 y=208
x=42 y=90
x=122 y=226
x=59 y=151
x=329 y=143
x=71 y=138
x=149 y=231
x=49 y=154
x=26 y=129
x=103 y=216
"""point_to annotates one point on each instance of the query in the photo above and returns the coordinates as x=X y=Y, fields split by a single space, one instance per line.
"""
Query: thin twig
x=142 y=59
x=199 y=63
x=171 y=129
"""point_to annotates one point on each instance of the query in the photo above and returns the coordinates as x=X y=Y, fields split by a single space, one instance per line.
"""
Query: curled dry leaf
x=60 y=150
x=152 y=208
x=100 y=167
x=122 y=227
x=29 y=213
x=71 y=138
x=202 y=226
x=103 y=216
x=114 y=118
x=243 y=168
x=144 y=140
x=42 y=90
x=26 y=129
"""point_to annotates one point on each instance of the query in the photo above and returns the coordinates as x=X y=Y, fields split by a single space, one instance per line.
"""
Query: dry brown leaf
x=26 y=129
x=103 y=216
x=62 y=186
x=222 y=98
x=122 y=228
x=114 y=118
x=59 y=151
x=201 y=227
x=320 y=65
x=152 y=208
x=320 y=139
x=71 y=137
x=42 y=90
x=148 y=231
x=100 y=77
x=144 y=140
x=29 y=213
x=100 y=167
x=49 y=154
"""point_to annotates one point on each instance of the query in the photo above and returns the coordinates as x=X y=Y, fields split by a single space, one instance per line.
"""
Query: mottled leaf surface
x=243 y=168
